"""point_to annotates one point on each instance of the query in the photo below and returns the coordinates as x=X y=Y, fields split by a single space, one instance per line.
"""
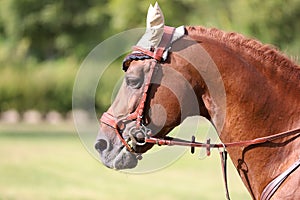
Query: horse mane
x=265 y=54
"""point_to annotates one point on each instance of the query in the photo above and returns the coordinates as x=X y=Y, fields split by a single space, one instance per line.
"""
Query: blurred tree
x=277 y=22
x=54 y=28
x=48 y=29
x=45 y=32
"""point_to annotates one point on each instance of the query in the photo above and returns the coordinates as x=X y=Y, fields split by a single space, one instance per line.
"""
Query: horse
x=246 y=89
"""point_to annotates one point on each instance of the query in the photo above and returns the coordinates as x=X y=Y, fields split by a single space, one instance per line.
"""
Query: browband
x=140 y=53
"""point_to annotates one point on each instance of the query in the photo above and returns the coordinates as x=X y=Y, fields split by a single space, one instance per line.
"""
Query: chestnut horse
x=262 y=98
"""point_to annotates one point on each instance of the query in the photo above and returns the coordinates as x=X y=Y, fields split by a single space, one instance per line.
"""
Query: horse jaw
x=125 y=160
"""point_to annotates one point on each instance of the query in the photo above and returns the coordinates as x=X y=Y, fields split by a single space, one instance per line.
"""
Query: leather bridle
x=119 y=124
x=139 y=53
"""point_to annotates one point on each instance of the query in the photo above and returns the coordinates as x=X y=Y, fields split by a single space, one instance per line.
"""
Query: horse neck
x=258 y=103
x=257 y=93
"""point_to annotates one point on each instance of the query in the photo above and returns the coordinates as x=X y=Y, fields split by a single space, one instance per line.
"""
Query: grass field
x=49 y=162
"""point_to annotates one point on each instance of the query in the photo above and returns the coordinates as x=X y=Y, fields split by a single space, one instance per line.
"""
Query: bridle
x=139 y=54
x=119 y=124
x=156 y=56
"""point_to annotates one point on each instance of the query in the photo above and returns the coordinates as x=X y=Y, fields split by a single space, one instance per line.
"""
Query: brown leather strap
x=174 y=141
x=273 y=186
x=147 y=52
x=109 y=120
x=264 y=139
x=138 y=113
x=223 y=156
x=165 y=42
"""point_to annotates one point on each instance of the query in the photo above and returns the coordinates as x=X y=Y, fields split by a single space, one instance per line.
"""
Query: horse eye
x=134 y=82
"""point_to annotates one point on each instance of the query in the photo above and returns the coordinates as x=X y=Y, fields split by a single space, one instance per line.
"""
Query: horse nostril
x=101 y=145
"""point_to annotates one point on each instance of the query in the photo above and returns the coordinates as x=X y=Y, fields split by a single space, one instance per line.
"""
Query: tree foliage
x=49 y=29
x=40 y=37
x=53 y=28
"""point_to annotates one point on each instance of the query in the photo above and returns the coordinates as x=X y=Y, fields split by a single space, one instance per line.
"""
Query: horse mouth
x=124 y=160
x=119 y=155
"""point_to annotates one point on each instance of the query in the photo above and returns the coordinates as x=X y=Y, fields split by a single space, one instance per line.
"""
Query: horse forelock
x=266 y=54
x=134 y=56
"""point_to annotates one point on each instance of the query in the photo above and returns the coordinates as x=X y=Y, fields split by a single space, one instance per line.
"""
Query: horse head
x=156 y=95
x=153 y=99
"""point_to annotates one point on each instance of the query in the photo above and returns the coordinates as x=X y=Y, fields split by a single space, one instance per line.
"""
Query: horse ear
x=155 y=17
x=155 y=28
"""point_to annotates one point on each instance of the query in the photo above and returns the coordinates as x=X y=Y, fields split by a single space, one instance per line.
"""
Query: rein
x=269 y=190
x=145 y=135
x=174 y=141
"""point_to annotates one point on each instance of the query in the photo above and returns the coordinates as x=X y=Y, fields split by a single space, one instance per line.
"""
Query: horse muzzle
x=121 y=146
x=113 y=154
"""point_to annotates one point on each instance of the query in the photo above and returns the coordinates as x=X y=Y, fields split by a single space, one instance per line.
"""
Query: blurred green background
x=42 y=44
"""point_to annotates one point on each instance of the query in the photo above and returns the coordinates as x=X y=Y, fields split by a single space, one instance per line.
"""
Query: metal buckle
x=139 y=135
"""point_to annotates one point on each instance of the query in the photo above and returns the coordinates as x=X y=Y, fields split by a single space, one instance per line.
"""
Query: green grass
x=53 y=164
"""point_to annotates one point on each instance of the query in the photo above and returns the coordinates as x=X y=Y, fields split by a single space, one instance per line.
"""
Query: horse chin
x=125 y=160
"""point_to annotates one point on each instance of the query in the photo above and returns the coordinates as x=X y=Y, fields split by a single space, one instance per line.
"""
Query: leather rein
x=119 y=124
